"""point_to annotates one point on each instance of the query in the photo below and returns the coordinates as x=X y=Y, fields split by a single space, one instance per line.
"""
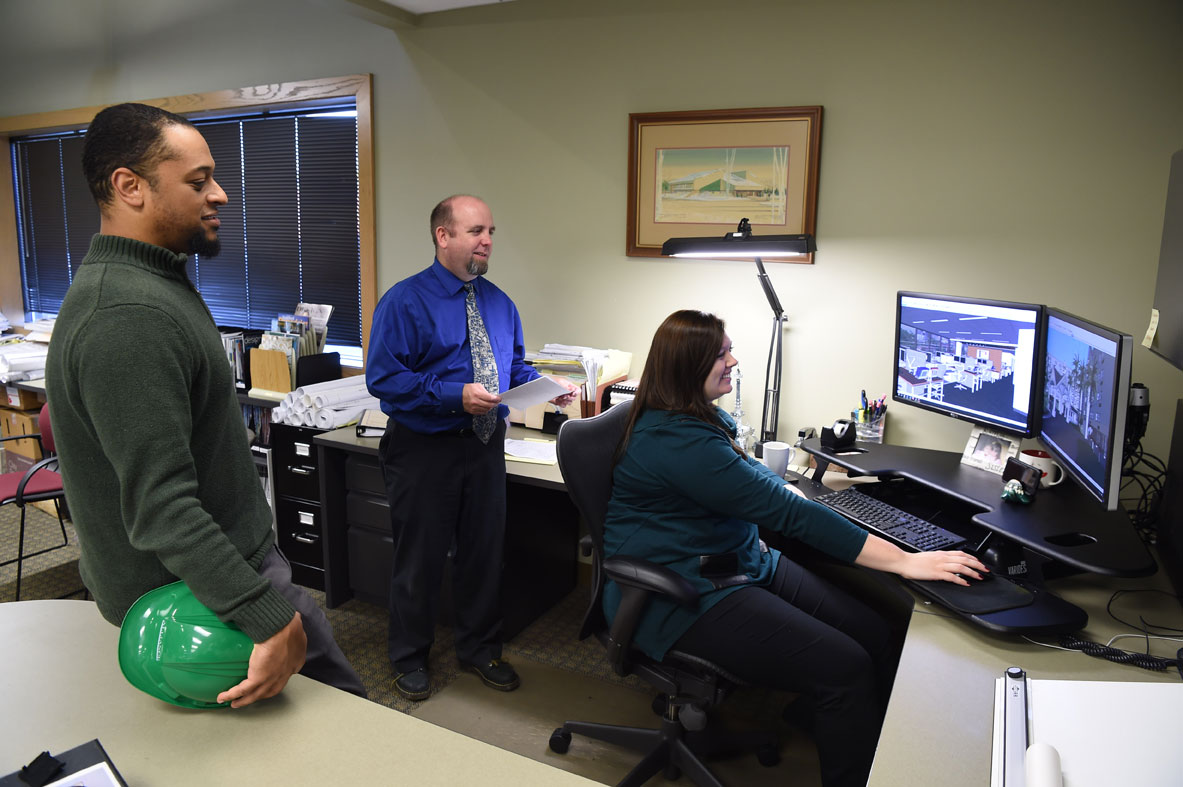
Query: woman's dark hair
x=125 y=135
x=682 y=354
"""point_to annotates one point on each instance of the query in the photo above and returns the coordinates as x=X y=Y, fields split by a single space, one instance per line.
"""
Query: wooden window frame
x=282 y=95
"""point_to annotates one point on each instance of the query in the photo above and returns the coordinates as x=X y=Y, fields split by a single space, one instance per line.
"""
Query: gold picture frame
x=697 y=173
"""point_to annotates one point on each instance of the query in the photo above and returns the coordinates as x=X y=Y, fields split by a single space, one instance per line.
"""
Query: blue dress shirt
x=419 y=359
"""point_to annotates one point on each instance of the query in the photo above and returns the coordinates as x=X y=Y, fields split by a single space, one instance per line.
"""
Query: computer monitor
x=1086 y=389
x=970 y=358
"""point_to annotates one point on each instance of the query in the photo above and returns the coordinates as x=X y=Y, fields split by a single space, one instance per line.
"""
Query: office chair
x=39 y=482
x=689 y=686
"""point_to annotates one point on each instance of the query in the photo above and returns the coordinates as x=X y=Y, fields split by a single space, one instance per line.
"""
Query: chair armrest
x=34 y=436
x=639 y=580
x=49 y=463
x=638 y=573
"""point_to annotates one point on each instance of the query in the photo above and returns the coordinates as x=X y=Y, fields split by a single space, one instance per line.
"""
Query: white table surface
x=60 y=686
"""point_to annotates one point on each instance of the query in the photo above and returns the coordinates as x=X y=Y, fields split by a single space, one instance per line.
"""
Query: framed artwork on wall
x=698 y=173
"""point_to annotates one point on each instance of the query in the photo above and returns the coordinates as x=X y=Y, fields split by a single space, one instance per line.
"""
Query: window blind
x=289 y=232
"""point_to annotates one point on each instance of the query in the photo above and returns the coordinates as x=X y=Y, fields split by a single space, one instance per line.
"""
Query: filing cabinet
x=541 y=533
x=298 y=511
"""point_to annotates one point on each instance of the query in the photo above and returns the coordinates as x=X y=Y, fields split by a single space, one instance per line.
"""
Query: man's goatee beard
x=201 y=245
x=477 y=267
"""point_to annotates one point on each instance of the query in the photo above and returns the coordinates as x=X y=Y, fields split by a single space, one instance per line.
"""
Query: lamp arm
x=766 y=285
x=772 y=372
x=770 y=416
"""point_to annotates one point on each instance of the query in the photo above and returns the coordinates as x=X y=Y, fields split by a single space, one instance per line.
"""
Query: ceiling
x=432 y=6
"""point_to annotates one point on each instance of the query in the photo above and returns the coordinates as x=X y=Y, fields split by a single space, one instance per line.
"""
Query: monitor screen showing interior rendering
x=1085 y=394
x=970 y=358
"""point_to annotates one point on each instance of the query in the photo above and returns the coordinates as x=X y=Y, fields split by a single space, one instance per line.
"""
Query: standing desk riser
x=1062 y=532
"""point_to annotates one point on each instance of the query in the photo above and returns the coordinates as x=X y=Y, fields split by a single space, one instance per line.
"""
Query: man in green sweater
x=153 y=452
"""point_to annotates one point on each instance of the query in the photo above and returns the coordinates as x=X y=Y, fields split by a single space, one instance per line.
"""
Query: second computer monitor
x=1085 y=396
x=970 y=358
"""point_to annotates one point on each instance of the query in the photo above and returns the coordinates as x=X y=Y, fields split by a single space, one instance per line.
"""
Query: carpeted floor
x=360 y=628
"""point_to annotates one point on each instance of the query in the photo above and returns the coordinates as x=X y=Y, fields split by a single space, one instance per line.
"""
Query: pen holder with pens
x=868 y=431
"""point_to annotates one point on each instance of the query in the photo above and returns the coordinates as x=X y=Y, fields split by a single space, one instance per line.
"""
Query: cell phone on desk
x=1024 y=473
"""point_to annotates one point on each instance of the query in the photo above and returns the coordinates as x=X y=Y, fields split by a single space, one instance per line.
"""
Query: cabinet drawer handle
x=300 y=470
x=304 y=539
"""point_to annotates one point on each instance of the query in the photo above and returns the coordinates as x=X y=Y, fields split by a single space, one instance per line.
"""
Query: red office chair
x=39 y=482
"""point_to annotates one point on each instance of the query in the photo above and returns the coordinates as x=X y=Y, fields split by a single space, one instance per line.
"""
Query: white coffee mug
x=1042 y=461
x=777 y=456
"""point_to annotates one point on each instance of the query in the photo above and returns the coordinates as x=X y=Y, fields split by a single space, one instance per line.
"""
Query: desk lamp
x=741 y=244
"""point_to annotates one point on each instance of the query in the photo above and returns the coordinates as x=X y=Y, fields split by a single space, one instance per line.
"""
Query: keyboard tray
x=992 y=594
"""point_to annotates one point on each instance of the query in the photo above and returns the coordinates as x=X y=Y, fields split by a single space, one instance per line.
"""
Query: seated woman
x=686 y=496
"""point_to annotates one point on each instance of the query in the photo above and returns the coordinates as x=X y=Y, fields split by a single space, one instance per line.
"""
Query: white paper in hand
x=534 y=392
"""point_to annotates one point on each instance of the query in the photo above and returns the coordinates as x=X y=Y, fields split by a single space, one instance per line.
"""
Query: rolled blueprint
x=339 y=396
x=344 y=382
x=331 y=419
x=1042 y=766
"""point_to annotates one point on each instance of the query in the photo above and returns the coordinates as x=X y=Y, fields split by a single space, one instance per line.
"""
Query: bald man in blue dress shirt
x=444 y=343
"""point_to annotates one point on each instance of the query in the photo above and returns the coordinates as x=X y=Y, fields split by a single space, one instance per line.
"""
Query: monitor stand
x=1061 y=532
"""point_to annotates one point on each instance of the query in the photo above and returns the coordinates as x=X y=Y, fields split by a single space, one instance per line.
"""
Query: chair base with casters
x=688 y=686
x=685 y=737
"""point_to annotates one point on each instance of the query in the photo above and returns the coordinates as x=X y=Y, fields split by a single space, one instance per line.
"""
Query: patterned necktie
x=484 y=365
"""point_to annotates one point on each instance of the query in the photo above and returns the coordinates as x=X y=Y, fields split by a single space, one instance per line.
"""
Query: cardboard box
x=20 y=399
x=48 y=507
x=14 y=423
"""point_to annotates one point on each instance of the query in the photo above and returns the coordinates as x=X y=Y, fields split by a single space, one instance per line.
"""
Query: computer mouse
x=998 y=555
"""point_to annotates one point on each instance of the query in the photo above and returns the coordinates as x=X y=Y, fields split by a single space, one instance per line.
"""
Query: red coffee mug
x=1042 y=460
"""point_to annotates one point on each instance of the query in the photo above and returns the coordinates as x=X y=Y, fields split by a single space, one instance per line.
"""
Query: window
x=289 y=230
x=295 y=160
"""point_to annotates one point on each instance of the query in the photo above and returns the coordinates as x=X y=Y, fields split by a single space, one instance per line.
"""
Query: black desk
x=1062 y=532
x=541 y=532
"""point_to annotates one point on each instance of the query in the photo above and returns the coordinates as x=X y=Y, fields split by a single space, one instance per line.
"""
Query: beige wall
x=1019 y=146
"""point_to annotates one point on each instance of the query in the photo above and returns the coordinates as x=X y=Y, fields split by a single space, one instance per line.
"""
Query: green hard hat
x=174 y=647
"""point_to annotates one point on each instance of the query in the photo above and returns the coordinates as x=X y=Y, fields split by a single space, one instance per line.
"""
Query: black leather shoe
x=413 y=685
x=497 y=674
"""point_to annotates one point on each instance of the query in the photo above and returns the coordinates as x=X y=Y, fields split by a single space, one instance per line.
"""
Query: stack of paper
x=533 y=450
x=584 y=366
x=39 y=330
x=21 y=359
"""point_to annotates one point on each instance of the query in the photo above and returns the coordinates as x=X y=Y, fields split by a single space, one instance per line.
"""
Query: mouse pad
x=992 y=594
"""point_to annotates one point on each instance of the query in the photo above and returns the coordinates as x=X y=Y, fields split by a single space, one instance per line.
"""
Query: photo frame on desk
x=697 y=172
x=989 y=450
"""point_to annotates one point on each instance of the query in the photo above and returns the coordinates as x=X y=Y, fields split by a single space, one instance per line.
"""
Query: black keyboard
x=884 y=519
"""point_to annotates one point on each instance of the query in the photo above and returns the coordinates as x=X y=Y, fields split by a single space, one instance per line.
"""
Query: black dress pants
x=445 y=491
x=803 y=634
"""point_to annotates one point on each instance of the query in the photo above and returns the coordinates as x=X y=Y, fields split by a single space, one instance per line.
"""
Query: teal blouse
x=680 y=492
